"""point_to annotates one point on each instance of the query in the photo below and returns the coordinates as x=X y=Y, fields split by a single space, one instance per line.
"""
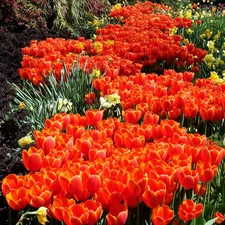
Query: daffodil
x=41 y=214
x=115 y=7
x=95 y=73
x=109 y=100
x=22 y=105
x=209 y=59
x=214 y=76
x=217 y=35
x=208 y=33
x=173 y=31
x=210 y=45
x=22 y=142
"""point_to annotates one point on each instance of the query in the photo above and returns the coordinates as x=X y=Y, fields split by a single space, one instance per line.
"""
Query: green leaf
x=212 y=221
x=208 y=211
x=200 y=220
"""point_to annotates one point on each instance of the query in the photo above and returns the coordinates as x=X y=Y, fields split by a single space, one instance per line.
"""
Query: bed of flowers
x=148 y=147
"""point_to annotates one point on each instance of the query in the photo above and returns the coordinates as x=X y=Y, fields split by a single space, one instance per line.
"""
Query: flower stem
x=138 y=211
x=10 y=216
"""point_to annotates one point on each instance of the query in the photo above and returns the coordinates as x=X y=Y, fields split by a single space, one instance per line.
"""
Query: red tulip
x=76 y=214
x=200 y=189
x=33 y=158
x=58 y=206
x=45 y=142
x=75 y=131
x=92 y=183
x=190 y=109
x=150 y=118
x=93 y=116
x=155 y=193
x=206 y=171
x=90 y=98
x=188 y=210
x=219 y=216
x=94 y=211
x=133 y=140
x=132 y=115
x=117 y=215
x=110 y=194
x=188 y=178
x=162 y=215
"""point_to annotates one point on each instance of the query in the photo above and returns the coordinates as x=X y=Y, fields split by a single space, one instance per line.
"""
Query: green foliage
x=66 y=95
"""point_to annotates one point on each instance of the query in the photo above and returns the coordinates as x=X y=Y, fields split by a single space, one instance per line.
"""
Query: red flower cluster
x=144 y=40
x=117 y=164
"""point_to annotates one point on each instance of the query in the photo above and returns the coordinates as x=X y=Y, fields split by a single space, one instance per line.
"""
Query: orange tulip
x=117 y=214
x=133 y=140
x=162 y=215
x=17 y=199
x=206 y=171
x=132 y=115
x=46 y=143
x=12 y=181
x=39 y=195
x=75 y=130
x=110 y=194
x=188 y=210
x=155 y=193
x=58 y=206
x=33 y=158
x=94 y=211
x=188 y=178
x=93 y=116
x=76 y=214
x=150 y=118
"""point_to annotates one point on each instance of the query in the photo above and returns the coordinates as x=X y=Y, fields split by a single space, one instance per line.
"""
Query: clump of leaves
x=53 y=96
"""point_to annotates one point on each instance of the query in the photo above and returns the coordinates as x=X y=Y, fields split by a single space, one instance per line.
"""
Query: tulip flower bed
x=142 y=43
x=157 y=172
x=152 y=164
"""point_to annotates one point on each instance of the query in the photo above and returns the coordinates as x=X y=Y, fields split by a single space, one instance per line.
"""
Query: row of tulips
x=142 y=166
x=145 y=41
x=85 y=167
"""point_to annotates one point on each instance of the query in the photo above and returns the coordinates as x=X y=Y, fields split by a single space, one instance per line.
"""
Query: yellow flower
x=186 y=41
x=214 y=76
x=31 y=108
x=117 y=6
x=98 y=46
x=95 y=73
x=219 y=62
x=188 y=14
x=208 y=33
x=210 y=45
x=190 y=31
x=96 y=23
x=217 y=35
x=173 y=31
x=209 y=58
x=41 y=214
x=22 y=142
x=110 y=100
x=223 y=73
x=80 y=45
x=22 y=105
x=202 y=36
x=109 y=42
